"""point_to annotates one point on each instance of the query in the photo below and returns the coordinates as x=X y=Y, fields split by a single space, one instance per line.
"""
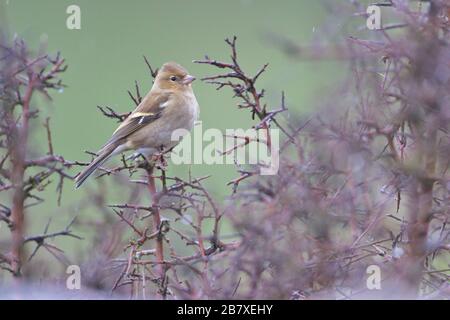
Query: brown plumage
x=169 y=105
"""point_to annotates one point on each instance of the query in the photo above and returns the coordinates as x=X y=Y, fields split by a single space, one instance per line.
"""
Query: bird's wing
x=145 y=113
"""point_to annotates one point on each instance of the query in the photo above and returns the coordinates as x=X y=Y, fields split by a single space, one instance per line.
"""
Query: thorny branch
x=22 y=77
x=244 y=88
x=363 y=182
x=175 y=198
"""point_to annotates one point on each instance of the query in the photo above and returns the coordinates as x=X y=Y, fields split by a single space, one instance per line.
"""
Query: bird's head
x=173 y=76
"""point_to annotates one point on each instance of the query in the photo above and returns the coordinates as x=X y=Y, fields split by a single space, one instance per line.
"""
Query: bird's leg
x=144 y=152
x=133 y=156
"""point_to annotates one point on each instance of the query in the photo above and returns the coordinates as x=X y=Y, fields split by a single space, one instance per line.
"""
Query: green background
x=105 y=58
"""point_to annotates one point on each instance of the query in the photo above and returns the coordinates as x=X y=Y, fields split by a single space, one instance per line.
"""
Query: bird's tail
x=104 y=154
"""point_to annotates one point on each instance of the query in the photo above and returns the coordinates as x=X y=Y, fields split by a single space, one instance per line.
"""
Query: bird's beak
x=188 y=79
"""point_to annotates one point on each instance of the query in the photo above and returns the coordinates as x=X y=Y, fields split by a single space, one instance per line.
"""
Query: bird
x=169 y=105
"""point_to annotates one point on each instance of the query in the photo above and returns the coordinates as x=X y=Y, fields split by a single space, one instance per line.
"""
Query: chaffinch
x=169 y=105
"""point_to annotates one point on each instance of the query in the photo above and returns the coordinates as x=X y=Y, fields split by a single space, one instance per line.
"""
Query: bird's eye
x=173 y=78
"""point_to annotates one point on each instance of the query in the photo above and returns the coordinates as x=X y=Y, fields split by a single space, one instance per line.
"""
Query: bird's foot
x=134 y=156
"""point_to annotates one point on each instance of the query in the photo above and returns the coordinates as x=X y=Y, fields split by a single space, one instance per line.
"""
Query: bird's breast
x=194 y=109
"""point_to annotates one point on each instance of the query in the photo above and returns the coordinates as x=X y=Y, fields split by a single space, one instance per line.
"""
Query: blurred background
x=105 y=57
x=360 y=186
